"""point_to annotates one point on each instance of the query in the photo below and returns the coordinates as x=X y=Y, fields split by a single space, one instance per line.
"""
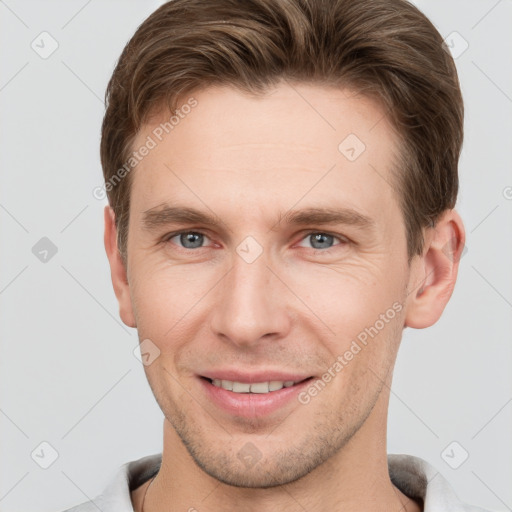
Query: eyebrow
x=345 y=216
x=164 y=215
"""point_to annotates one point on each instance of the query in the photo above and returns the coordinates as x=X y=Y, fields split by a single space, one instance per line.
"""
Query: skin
x=296 y=307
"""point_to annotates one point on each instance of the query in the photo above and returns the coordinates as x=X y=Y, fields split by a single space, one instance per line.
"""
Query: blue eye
x=320 y=240
x=189 y=239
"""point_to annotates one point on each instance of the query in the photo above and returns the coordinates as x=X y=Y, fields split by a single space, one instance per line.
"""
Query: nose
x=251 y=304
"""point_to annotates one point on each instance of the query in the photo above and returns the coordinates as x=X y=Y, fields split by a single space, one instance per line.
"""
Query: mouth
x=254 y=387
x=253 y=400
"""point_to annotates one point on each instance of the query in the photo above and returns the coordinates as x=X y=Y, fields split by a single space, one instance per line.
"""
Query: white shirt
x=415 y=477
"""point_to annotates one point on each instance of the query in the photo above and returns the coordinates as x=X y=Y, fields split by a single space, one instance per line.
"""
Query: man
x=282 y=176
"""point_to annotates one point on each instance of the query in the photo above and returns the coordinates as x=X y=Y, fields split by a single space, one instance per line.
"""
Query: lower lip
x=251 y=405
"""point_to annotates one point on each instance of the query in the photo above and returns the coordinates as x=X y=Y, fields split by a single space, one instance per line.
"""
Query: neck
x=356 y=478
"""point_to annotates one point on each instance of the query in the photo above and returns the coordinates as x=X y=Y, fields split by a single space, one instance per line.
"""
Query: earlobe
x=432 y=282
x=118 y=269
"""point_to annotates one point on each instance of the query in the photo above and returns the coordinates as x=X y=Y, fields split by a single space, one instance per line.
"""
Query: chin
x=264 y=474
x=260 y=463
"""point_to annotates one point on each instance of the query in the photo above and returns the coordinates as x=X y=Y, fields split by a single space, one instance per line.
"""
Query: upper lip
x=250 y=377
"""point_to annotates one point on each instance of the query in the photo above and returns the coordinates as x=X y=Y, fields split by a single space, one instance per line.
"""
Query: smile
x=256 y=399
x=255 y=387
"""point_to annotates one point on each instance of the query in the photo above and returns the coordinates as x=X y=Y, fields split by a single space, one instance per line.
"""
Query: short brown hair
x=387 y=49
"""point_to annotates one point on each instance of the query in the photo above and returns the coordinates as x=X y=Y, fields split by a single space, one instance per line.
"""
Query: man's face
x=258 y=297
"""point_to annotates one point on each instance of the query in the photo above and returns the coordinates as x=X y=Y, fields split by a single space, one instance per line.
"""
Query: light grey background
x=68 y=375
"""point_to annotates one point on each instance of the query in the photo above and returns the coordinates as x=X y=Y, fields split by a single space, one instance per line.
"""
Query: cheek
x=346 y=297
x=358 y=311
x=165 y=297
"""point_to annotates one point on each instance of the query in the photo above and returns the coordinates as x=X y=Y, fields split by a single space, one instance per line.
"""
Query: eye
x=321 y=241
x=188 y=239
x=318 y=240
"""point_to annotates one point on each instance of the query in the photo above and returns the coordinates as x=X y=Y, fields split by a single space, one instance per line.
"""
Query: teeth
x=227 y=384
x=255 y=387
x=260 y=387
x=275 y=385
x=240 y=387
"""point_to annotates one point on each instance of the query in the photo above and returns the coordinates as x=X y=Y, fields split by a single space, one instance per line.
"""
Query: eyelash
x=342 y=239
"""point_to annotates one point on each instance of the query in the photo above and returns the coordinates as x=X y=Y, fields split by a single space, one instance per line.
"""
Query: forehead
x=299 y=143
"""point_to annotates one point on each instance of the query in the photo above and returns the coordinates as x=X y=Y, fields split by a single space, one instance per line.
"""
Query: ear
x=118 y=269
x=433 y=278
